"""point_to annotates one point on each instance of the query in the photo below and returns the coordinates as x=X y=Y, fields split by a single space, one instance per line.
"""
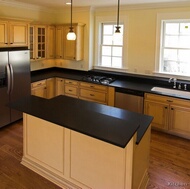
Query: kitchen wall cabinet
x=170 y=114
x=14 y=33
x=59 y=42
x=66 y=49
x=38 y=35
x=51 y=42
x=39 y=89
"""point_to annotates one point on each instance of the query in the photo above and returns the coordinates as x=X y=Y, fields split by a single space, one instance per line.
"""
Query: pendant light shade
x=71 y=35
x=117 y=31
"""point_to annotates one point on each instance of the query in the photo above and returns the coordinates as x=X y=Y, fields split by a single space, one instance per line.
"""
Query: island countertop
x=109 y=124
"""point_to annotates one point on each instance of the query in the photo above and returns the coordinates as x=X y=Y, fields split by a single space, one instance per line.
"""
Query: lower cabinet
x=39 y=89
x=93 y=92
x=44 y=88
x=171 y=115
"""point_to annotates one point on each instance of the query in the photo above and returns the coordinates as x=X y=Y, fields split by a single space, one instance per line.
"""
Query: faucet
x=174 y=80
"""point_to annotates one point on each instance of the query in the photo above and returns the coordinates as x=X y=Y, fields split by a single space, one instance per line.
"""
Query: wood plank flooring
x=169 y=162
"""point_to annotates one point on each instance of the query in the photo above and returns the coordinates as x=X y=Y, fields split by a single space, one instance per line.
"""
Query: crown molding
x=146 y=6
x=25 y=6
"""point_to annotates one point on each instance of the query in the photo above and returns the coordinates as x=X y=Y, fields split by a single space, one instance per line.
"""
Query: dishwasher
x=128 y=99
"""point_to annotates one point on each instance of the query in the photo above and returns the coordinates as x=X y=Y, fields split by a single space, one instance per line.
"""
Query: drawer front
x=93 y=86
x=70 y=90
x=166 y=99
x=93 y=96
x=38 y=84
x=71 y=82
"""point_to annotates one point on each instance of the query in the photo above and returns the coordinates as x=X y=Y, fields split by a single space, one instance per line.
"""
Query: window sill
x=124 y=70
x=162 y=74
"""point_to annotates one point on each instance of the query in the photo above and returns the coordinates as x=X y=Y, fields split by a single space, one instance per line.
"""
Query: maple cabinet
x=38 y=35
x=170 y=114
x=44 y=88
x=51 y=42
x=14 y=33
x=39 y=89
x=59 y=86
x=68 y=49
x=50 y=86
x=71 y=88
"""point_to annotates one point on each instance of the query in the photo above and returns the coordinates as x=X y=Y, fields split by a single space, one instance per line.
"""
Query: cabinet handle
x=6 y=43
x=70 y=90
x=172 y=108
x=91 y=94
x=91 y=86
x=169 y=100
x=166 y=107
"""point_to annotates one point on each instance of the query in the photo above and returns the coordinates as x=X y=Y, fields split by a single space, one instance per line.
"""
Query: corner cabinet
x=66 y=49
x=14 y=33
x=170 y=114
x=38 y=35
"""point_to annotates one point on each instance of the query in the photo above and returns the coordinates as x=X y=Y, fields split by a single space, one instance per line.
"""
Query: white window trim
x=160 y=18
x=112 y=19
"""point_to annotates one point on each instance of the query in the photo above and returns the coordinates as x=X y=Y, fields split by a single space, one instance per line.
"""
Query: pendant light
x=71 y=35
x=117 y=31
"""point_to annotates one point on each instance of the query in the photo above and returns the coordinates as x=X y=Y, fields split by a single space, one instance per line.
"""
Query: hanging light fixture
x=117 y=31
x=71 y=35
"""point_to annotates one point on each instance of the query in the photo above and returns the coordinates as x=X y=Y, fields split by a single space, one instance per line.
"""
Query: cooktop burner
x=98 y=79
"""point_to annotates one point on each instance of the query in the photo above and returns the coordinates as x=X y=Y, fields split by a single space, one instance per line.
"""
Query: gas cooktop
x=98 y=79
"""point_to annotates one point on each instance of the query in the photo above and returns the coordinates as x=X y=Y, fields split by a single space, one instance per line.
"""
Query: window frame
x=99 y=20
x=161 y=18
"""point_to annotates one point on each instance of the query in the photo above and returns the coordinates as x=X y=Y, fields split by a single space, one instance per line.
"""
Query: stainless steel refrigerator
x=14 y=82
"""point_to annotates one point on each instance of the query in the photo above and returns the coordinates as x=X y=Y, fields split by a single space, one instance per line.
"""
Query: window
x=175 y=47
x=111 y=46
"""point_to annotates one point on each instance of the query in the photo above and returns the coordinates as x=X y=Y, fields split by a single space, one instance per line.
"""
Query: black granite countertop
x=123 y=82
x=113 y=125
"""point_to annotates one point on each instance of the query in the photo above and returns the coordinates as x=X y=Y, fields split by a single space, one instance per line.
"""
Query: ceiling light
x=117 y=31
x=71 y=35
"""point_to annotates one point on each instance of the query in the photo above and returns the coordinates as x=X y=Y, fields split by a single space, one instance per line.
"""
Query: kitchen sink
x=171 y=91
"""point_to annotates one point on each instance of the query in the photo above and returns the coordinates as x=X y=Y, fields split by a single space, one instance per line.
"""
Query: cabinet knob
x=166 y=107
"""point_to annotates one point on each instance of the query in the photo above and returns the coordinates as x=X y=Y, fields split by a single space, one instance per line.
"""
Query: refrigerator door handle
x=8 y=79
x=12 y=78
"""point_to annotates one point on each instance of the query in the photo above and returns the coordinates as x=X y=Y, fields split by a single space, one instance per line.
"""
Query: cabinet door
x=3 y=34
x=51 y=42
x=59 y=42
x=41 y=42
x=69 y=45
x=19 y=34
x=160 y=112
x=59 y=86
x=50 y=85
x=39 y=91
x=180 y=120
x=32 y=47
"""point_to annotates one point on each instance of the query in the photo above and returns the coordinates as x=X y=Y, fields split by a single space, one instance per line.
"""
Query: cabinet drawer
x=38 y=84
x=93 y=95
x=71 y=90
x=167 y=99
x=93 y=86
x=71 y=82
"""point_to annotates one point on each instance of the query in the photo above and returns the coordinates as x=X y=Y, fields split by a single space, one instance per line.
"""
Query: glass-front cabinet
x=37 y=42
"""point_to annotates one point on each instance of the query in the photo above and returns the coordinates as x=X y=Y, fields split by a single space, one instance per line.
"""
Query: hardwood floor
x=169 y=162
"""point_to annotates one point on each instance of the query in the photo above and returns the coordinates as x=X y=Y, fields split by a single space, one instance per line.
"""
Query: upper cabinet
x=51 y=42
x=14 y=33
x=38 y=43
x=66 y=49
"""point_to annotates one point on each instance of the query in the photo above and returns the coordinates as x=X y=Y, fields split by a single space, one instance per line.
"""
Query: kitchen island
x=80 y=144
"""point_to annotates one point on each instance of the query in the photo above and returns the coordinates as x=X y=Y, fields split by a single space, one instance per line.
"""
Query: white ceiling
x=88 y=3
